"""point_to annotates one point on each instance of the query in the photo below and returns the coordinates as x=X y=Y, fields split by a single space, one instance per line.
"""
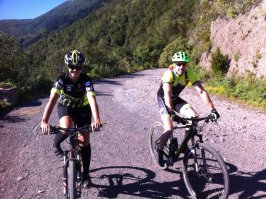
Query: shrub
x=6 y=85
x=4 y=104
x=219 y=63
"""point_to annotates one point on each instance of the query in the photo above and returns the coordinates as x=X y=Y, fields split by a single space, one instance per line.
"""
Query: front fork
x=199 y=160
x=70 y=155
x=194 y=153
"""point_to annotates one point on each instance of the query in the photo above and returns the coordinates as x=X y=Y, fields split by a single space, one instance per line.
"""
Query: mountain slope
x=30 y=30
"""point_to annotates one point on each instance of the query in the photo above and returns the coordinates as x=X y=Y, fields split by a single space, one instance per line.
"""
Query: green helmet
x=180 y=56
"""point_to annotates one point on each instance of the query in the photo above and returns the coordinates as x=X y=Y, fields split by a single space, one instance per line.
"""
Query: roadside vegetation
x=247 y=90
x=128 y=36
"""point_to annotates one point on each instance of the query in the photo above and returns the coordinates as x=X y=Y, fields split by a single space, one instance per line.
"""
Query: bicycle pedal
x=175 y=160
x=79 y=193
x=169 y=163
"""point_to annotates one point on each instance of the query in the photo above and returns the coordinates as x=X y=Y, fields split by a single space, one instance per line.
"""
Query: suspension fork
x=78 y=161
x=199 y=163
x=65 y=172
x=194 y=150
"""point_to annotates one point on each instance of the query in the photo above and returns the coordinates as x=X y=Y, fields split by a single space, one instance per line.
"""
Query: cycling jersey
x=73 y=94
x=178 y=82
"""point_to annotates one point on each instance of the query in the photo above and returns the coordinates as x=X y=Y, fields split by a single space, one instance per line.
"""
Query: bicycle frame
x=189 y=135
x=204 y=170
x=72 y=158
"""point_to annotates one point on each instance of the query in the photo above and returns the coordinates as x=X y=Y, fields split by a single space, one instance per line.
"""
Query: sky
x=26 y=9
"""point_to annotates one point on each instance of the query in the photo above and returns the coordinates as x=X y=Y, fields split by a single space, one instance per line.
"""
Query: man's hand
x=176 y=118
x=214 y=115
x=45 y=127
x=96 y=126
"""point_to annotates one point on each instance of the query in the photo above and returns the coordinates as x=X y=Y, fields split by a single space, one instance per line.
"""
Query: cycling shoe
x=86 y=181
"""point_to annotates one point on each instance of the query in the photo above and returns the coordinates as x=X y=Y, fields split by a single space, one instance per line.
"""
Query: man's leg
x=186 y=110
x=64 y=122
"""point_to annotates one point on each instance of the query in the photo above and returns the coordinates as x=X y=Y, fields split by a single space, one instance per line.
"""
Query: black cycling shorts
x=162 y=107
x=80 y=115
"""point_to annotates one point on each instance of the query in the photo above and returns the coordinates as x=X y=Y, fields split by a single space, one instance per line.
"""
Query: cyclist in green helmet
x=77 y=103
x=174 y=80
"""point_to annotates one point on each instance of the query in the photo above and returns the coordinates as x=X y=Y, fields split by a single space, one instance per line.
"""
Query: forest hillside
x=225 y=41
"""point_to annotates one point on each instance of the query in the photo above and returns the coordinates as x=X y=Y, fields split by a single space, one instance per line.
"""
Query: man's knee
x=188 y=111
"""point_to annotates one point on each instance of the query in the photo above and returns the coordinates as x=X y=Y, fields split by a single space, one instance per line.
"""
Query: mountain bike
x=72 y=160
x=203 y=169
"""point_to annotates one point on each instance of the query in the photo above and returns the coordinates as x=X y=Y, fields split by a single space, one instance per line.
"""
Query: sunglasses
x=74 y=67
x=180 y=63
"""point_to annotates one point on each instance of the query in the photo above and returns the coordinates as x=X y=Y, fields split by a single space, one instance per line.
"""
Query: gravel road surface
x=121 y=164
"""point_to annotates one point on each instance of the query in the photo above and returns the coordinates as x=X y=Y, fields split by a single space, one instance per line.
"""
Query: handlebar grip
x=212 y=118
x=52 y=130
x=178 y=119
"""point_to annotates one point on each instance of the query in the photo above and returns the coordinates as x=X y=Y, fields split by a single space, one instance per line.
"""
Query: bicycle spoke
x=205 y=174
x=154 y=138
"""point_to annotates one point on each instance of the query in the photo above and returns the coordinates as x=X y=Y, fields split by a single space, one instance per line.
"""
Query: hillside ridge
x=29 y=31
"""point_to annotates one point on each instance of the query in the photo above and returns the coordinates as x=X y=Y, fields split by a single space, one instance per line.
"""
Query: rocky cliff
x=243 y=39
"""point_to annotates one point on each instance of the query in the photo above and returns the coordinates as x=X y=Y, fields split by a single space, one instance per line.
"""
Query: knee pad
x=186 y=107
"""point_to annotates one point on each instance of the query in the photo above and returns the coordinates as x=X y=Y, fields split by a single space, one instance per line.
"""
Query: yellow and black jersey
x=73 y=94
x=178 y=82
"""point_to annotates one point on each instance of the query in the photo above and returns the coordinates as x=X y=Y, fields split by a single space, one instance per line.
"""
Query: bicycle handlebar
x=184 y=121
x=73 y=130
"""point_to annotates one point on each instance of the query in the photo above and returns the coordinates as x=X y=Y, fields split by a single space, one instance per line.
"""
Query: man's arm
x=95 y=110
x=48 y=111
x=167 y=88
x=204 y=95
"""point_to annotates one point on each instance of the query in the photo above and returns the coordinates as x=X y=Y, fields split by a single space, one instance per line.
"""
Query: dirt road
x=121 y=164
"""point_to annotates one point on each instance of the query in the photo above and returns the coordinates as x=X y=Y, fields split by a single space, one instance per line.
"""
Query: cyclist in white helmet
x=174 y=80
x=77 y=103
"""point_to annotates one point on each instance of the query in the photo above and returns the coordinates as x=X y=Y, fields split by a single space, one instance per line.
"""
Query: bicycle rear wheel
x=205 y=173
x=72 y=180
x=154 y=138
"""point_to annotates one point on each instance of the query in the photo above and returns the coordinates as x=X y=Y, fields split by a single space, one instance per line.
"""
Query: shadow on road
x=12 y=119
x=139 y=182
x=112 y=81
x=247 y=183
x=26 y=104
x=127 y=180
x=30 y=104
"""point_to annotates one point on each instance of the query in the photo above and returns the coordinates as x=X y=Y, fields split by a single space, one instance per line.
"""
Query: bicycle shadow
x=126 y=182
x=246 y=183
x=130 y=183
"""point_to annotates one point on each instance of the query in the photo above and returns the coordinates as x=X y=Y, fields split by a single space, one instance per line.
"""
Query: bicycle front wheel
x=154 y=139
x=72 y=180
x=205 y=173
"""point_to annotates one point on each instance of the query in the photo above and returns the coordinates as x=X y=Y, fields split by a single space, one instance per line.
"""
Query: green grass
x=247 y=91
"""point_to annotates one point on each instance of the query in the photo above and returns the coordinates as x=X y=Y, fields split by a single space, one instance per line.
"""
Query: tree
x=179 y=44
x=13 y=60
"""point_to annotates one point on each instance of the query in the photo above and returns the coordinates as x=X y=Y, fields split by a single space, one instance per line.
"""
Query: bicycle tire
x=212 y=179
x=72 y=180
x=154 y=135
